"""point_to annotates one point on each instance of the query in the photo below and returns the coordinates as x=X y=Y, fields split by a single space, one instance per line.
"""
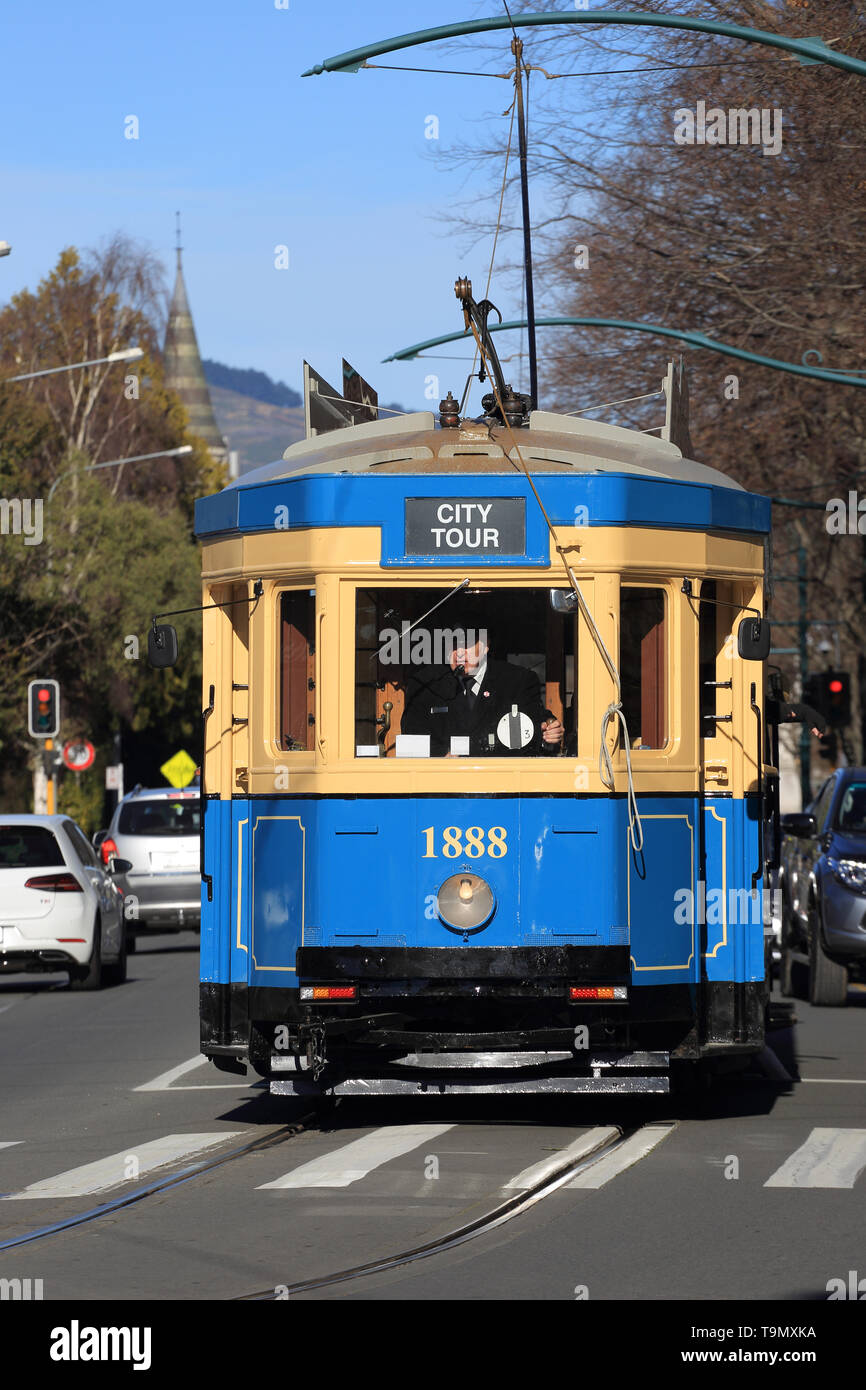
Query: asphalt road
x=754 y=1191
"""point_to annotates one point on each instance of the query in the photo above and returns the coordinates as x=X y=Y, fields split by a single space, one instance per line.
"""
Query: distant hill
x=259 y=416
x=249 y=382
x=259 y=432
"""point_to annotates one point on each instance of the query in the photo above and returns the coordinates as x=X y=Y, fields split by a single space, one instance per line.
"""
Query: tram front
x=455 y=792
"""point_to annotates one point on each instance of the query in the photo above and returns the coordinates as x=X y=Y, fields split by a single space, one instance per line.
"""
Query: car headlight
x=465 y=902
x=849 y=872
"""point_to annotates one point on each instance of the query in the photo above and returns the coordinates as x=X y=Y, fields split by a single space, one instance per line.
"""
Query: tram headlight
x=465 y=901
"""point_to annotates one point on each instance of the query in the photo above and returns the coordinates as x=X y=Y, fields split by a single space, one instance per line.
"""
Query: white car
x=60 y=908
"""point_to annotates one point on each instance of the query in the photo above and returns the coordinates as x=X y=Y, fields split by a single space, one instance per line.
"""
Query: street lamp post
x=124 y=355
x=115 y=463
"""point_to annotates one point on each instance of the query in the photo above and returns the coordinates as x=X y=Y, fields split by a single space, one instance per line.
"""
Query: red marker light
x=328 y=993
x=576 y=993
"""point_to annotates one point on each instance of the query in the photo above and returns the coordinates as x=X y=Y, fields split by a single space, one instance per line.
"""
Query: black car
x=823 y=883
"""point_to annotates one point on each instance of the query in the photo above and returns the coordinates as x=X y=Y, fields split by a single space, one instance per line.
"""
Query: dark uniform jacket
x=436 y=705
x=791 y=712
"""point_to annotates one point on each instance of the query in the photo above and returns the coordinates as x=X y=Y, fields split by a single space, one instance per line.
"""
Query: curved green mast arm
x=809 y=50
x=699 y=340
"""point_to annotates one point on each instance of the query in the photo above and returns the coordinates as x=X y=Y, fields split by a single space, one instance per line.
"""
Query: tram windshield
x=491 y=673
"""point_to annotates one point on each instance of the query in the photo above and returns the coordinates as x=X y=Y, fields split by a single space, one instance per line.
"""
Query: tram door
x=718 y=746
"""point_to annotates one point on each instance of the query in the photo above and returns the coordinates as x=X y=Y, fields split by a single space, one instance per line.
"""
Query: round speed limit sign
x=78 y=756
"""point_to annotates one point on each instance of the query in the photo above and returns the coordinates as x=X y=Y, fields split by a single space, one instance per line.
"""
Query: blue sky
x=335 y=167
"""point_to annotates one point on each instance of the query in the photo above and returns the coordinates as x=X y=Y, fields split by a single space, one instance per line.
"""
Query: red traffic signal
x=837 y=698
x=43 y=708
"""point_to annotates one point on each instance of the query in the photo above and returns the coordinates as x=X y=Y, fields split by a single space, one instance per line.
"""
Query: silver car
x=158 y=832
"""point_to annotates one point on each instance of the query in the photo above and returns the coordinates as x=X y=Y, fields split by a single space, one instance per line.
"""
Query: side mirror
x=162 y=645
x=563 y=601
x=800 y=824
x=98 y=838
x=753 y=639
x=118 y=866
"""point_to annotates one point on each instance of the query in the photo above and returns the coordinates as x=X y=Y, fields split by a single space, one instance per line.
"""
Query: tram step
x=540 y=1085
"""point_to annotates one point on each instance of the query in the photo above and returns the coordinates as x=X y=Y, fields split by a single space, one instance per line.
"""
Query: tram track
x=185 y=1175
x=490 y=1221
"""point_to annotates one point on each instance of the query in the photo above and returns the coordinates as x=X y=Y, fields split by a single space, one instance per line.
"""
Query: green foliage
x=117 y=545
x=80 y=796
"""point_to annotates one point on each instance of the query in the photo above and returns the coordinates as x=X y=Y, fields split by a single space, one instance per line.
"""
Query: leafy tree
x=765 y=251
x=116 y=544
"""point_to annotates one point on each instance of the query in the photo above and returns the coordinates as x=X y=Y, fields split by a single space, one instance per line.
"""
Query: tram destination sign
x=465 y=526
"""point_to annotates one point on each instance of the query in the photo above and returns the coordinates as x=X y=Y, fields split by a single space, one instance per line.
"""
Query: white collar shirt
x=478 y=679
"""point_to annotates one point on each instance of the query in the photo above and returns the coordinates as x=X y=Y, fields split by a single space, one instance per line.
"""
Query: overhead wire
x=597 y=72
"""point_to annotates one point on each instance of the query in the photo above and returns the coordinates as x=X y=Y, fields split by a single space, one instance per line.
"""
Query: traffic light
x=43 y=708
x=829 y=692
x=837 y=698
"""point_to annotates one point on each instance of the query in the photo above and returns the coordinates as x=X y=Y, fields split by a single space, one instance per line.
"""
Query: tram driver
x=478 y=705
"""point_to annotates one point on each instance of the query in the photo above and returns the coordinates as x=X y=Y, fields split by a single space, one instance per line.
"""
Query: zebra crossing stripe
x=354 y=1161
x=126 y=1166
x=829 y=1158
x=580 y=1148
x=636 y=1147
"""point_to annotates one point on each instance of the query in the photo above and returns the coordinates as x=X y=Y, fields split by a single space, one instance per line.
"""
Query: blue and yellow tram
x=545 y=879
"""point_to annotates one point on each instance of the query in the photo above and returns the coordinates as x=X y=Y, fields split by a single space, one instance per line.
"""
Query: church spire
x=184 y=372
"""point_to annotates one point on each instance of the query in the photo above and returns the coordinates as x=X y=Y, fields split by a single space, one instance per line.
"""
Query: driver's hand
x=552 y=731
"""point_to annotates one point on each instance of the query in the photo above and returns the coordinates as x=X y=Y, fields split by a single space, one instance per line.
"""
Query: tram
x=485 y=795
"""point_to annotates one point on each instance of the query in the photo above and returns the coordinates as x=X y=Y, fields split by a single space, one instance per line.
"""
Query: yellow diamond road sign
x=179 y=770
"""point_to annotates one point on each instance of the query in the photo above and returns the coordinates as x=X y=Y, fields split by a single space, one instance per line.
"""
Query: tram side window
x=467 y=675
x=297 y=669
x=643 y=663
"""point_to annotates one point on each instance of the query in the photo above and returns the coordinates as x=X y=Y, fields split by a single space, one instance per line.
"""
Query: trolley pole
x=517 y=50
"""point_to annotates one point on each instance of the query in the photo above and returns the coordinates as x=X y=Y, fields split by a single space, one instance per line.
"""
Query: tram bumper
x=471 y=1020
x=517 y=964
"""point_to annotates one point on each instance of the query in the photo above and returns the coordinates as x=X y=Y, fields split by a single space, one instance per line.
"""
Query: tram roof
x=552 y=444
x=625 y=476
